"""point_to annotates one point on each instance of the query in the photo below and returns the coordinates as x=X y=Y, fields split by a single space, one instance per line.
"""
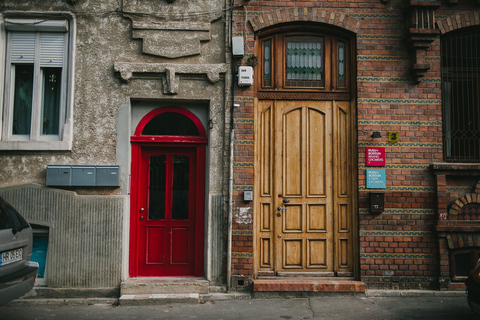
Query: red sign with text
x=375 y=156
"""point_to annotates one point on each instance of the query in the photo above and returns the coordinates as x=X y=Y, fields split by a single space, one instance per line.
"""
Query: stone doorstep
x=151 y=286
x=312 y=285
x=151 y=299
x=147 y=299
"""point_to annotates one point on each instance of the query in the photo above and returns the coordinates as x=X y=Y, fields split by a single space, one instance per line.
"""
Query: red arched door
x=167 y=209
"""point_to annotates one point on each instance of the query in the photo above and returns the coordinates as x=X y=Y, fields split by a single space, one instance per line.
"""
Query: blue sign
x=376 y=179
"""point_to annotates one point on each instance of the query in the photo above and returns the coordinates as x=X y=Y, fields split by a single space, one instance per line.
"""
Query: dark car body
x=17 y=272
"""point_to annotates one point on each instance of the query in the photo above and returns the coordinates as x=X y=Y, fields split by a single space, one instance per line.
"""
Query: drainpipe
x=230 y=176
x=230 y=213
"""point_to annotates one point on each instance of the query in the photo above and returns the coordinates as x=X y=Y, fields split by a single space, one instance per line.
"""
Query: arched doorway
x=305 y=154
x=167 y=195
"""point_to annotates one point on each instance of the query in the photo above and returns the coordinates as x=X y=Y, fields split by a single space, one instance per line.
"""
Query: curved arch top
x=330 y=17
x=151 y=115
x=458 y=21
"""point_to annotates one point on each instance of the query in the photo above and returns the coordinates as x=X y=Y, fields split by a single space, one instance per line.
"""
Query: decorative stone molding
x=172 y=39
x=422 y=32
x=296 y=14
x=130 y=70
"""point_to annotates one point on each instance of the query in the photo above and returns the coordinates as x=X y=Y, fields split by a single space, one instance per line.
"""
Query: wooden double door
x=304 y=188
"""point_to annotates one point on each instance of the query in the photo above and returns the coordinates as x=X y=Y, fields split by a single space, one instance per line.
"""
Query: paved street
x=324 y=307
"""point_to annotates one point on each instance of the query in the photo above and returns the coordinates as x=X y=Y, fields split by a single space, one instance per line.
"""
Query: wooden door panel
x=293 y=153
x=343 y=198
x=304 y=197
x=266 y=148
x=292 y=253
x=265 y=253
x=155 y=245
x=181 y=245
x=316 y=145
x=317 y=218
x=293 y=219
x=265 y=192
x=317 y=253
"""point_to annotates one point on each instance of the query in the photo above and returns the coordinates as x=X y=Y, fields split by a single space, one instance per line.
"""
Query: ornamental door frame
x=275 y=99
x=194 y=145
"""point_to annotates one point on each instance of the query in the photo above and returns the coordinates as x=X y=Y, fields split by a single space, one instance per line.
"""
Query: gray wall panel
x=85 y=234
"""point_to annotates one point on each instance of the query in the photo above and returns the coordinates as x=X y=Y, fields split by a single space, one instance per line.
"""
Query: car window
x=5 y=220
x=10 y=218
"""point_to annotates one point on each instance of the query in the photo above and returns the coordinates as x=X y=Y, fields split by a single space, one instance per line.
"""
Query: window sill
x=36 y=145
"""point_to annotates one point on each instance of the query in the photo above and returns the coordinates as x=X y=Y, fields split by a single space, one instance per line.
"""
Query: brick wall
x=398 y=248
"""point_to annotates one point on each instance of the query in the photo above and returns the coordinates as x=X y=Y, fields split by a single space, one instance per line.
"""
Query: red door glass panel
x=167 y=212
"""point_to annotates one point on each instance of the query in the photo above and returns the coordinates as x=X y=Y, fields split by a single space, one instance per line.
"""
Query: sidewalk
x=373 y=305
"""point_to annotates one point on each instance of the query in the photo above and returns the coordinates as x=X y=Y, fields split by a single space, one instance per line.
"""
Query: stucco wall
x=131 y=33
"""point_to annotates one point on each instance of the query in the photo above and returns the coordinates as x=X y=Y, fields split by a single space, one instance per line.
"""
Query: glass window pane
x=51 y=100
x=341 y=64
x=156 y=187
x=171 y=124
x=267 y=73
x=304 y=61
x=180 y=188
x=22 y=103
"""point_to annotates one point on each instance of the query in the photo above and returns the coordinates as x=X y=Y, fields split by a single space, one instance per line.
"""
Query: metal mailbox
x=59 y=175
x=377 y=202
x=107 y=176
x=83 y=176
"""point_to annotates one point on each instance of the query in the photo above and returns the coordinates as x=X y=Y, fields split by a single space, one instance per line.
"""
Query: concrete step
x=159 y=299
x=155 y=299
x=150 y=286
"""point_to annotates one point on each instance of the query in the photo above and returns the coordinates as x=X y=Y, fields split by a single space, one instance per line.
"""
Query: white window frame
x=39 y=23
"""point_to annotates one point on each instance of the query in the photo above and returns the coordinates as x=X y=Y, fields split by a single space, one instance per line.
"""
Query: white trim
x=38 y=22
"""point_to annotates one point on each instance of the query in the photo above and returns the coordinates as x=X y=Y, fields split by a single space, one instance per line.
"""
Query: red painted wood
x=177 y=250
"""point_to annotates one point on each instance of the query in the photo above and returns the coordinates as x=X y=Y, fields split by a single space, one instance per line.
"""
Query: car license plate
x=10 y=256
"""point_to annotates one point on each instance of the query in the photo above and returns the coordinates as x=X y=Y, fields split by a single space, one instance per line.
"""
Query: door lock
x=279 y=236
x=141 y=217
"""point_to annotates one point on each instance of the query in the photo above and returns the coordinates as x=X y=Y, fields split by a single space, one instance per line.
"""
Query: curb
x=414 y=293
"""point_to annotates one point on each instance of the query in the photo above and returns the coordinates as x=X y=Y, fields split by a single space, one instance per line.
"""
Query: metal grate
x=460 y=95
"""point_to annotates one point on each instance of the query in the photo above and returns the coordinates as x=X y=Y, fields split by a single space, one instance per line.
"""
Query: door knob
x=286 y=200
x=141 y=209
x=282 y=208
x=141 y=217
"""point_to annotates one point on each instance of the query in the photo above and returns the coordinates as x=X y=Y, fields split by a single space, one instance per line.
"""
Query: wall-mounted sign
x=375 y=156
x=376 y=179
x=393 y=136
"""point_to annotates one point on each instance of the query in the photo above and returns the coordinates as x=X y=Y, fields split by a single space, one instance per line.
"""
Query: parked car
x=473 y=288
x=17 y=272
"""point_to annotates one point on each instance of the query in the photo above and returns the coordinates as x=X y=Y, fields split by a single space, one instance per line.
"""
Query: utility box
x=245 y=76
x=107 y=176
x=377 y=202
x=238 y=50
x=59 y=175
x=83 y=176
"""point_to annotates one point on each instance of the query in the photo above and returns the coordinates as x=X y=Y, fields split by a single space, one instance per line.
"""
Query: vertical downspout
x=230 y=178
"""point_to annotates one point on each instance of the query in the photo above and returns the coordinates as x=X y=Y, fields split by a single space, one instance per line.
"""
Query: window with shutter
x=37 y=93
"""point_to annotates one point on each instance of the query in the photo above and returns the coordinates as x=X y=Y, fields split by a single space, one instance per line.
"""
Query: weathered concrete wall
x=85 y=234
